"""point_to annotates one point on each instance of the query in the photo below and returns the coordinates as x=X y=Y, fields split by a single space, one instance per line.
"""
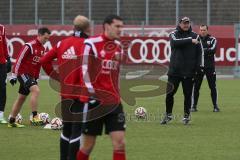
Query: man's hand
x=13 y=80
x=195 y=41
x=9 y=65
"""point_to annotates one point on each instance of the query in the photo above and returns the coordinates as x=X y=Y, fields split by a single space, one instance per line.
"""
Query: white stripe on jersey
x=86 y=77
x=19 y=61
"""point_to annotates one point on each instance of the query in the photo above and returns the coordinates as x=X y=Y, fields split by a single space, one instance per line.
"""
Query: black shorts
x=25 y=83
x=71 y=110
x=113 y=121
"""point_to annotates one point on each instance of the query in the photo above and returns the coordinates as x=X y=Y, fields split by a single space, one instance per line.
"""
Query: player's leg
x=187 y=85
x=22 y=95
x=64 y=140
x=3 y=73
x=16 y=109
x=118 y=142
x=74 y=141
x=211 y=78
x=87 y=145
x=172 y=87
x=31 y=85
x=115 y=127
x=35 y=91
x=195 y=92
x=90 y=130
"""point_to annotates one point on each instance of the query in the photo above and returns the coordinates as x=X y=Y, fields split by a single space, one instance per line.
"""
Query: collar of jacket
x=181 y=31
x=80 y=34
x=206 y=37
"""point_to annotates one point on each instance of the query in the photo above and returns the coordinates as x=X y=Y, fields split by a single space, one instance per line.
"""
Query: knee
x=87 y=145
x=119 y=144
x=21 y=98
x=36 y=91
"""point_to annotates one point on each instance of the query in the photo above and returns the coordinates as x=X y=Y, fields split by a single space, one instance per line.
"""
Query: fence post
x=118 y=7
x=237 y=33
x=208 y=12
x=36 y=12
x=10 y=11
x=90 y=10
x=92 y=28
x=143 y=28
x=62 y=12
x=147 y=12
x=177 y=11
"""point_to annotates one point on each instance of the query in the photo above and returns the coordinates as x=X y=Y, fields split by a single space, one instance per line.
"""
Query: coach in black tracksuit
x=184 y=61
x=209 y=44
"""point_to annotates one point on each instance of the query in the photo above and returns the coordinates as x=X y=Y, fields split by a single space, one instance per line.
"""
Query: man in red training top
x=5 y=67
x=67 y=52
x=103 y=54
x=26 y=70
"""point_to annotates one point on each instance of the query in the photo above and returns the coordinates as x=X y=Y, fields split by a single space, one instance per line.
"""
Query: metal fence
x=149 y=12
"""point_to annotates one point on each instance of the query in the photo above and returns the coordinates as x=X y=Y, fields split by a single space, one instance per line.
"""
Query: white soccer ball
x=44 y=117
x=141 y=112
x=56 y=123
x=18 y=119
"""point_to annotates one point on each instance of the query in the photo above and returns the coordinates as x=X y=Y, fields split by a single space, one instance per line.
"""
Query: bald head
x=81 y=23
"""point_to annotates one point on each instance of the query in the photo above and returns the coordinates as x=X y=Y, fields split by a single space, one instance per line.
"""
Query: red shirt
x=28 y=60
x=3 y=45
x=101 y=68
x=67 y=52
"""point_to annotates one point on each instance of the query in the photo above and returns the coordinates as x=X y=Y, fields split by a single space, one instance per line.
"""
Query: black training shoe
x=194 y=109
x=166 y=119
x=185 y=120
x=216 y=109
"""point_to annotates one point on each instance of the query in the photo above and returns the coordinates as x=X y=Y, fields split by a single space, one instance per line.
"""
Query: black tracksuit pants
x=172 y=87
x=211 y=79
x=3 y=76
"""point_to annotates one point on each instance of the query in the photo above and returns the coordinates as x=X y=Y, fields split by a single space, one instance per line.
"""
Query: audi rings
x=145 y=50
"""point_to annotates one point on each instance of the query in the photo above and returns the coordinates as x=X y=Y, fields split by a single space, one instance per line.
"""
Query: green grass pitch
x=209 y=136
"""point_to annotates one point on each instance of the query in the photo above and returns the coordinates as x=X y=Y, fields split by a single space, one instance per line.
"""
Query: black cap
x=184 y=19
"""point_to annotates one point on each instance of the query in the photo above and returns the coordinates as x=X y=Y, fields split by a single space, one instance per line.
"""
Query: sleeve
x=200 y=55
x=213 y=47
x=25 y=51
x=86 y=62
x=46 y=60
x=179 y=42
x=5 y=48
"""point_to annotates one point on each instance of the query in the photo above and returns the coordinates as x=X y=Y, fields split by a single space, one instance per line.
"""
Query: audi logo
x=144 y=50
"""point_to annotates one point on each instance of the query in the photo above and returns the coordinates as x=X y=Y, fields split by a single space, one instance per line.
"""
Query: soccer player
x=103 y=54
x=209 y=45
x=67 y=53
x=5 y=67
x=26 y=70
x=184 y=62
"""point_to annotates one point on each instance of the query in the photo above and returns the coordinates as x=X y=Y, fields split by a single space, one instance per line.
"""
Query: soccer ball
x=18 y=119
x=44 y=117
x=56 y=123
x=141 y=113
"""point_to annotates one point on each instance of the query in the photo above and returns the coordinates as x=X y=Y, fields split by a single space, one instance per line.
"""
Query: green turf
x=210 y=135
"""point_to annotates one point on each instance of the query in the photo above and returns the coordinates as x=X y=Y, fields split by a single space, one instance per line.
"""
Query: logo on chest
x=110 y=64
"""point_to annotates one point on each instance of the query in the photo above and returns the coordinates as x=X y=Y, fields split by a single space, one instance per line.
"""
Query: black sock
x=64 y=143
x=34 y=113
x=11 y=120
